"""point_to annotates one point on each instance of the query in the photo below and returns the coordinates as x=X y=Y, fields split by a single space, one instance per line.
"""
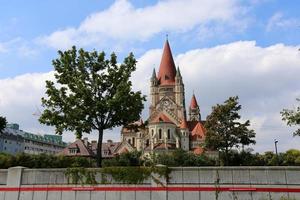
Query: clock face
x=166 y=104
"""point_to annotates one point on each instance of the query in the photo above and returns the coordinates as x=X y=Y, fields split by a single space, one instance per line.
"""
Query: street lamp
x=275 y=142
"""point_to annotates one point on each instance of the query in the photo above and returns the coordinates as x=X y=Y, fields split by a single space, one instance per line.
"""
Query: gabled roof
x=167 y=70
x=123 y=147
x=161 y=118
x=83 y=150
x=198 y=130
x=194 y=103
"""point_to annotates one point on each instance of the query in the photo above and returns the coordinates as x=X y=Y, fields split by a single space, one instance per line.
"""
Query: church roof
x=183 y=124
x=161 y=118
x=198 y=130
x=193 y=103
x=167 y=70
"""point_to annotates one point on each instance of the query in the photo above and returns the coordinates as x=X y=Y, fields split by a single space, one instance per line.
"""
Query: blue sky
x=216 y=39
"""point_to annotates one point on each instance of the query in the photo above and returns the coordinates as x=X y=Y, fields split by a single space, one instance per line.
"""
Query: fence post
x=14 y=176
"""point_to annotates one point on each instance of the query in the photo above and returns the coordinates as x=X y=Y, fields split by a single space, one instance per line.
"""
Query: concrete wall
x=248 y=183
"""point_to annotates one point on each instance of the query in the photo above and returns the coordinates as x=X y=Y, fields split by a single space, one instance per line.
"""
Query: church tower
x=167 y=89
x=168 y=127
x=194 y=110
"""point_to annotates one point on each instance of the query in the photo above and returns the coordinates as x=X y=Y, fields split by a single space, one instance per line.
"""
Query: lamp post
x=275 y=142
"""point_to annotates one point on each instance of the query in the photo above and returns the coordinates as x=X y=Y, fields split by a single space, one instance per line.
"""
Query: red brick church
x=168 y=126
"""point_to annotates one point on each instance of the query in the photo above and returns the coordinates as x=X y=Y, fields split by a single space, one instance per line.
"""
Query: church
x=168 y=126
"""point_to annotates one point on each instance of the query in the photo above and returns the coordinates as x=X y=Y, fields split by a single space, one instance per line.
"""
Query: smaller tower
x=153 y=91
x=179 y=95
x=184 y=135
x=194 y=110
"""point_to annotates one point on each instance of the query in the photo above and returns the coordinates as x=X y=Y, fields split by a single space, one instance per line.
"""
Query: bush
x=182 y=158
x=125 y=159
x=43 y=161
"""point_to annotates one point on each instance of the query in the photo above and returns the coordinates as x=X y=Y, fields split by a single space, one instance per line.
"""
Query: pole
x=275 y=142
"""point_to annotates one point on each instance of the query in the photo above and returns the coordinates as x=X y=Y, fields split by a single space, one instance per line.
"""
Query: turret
x=153 y=91
x=194 y=110
x=184 y=135
x=179 y=94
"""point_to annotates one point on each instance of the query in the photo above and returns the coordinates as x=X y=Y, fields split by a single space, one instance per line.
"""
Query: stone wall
x=188 y=183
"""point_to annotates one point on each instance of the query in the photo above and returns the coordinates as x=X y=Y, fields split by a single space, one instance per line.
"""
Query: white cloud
x=265 y=79
x=20 y=46
x=122 y=21
x=277 y=21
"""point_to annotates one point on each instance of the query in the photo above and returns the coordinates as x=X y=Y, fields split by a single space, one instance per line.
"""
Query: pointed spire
x=153 y=74
x=194 y=103
x=178 y=72
x=167 y=70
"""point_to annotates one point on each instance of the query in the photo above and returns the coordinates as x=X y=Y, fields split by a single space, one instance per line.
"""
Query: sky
x=224 y=48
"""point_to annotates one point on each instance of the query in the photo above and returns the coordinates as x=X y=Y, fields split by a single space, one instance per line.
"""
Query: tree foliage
x=91 y=93
x=224 y=129
x=3 y=123
x=292 y=117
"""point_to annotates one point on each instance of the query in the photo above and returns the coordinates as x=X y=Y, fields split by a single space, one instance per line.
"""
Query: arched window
x=147 y=142
x=159 y=134
x=152 y=132
x=169 y=134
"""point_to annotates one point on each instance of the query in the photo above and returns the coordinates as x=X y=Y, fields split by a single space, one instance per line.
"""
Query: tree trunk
x=99 y=148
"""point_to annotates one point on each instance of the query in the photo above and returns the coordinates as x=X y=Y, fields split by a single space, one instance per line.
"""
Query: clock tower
x=167 y=126
x=167 y=89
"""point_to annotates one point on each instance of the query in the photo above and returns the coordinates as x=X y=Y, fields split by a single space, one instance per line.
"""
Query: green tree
x=224 y=130
x=3 y=123
x=91 y=93
x=292 y=117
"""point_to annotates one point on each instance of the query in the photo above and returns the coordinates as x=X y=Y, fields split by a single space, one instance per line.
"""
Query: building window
x=73 y=151
x=159 y=134
x=133 y=141
x=169 y=134
x=152 y=132
x=129 y=141
x=147 y=142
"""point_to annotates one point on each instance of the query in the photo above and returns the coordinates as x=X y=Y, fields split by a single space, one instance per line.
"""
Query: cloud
x=123 y=22
x=265 y=79
x=20 y=46
x=277 y=21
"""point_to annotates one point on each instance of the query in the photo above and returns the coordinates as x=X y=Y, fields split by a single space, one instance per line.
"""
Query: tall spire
x=194 y=103
x=153 y=73
x=178 y=72
x=167 y=70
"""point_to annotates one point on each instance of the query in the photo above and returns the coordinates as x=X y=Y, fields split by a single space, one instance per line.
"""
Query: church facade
x=168 y=126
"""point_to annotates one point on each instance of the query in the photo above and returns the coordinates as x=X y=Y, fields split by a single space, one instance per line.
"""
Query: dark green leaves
x=224 y=130
x=292 y=117
x=91 y=93
x=3 y=123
